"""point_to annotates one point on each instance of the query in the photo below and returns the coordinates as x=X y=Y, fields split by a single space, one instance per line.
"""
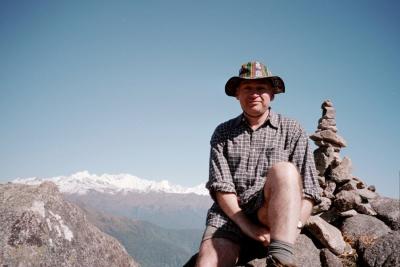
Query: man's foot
x=274 y=262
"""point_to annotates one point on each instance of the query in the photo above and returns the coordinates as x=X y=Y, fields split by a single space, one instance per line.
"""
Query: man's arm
x=229 y=204
x=306 y=209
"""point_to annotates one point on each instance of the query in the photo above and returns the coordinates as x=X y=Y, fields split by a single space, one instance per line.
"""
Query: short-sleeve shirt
x=240 y=158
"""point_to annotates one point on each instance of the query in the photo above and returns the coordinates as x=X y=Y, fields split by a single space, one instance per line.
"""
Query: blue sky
x=138 y=86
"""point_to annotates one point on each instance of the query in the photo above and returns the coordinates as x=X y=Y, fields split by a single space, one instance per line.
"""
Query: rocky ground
x=39 y=228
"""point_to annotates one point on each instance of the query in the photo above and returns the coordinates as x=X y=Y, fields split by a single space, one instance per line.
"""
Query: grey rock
x=388 y=210
x=372 y=188
x=253 y=263
x=327 y=234
x=353 y=184
x=330 y=128
x=328 y=259
x=329 y=137
x=39 y=228
x=323 y=206
x=329 y=190
x=323 y=157
x=366 y=194
x=346 y=200
x=348 y=213
x=306 y=252
x=365 y=208
x=325 y=122
x=384 y=252
x=362 y=230
x=342 y=172
x=328 y=112
x=360 y=184
x=350 y=185
x=331 y=216
x=327 y=103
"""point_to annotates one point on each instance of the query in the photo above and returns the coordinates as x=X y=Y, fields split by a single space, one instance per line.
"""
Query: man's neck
x=256 y=121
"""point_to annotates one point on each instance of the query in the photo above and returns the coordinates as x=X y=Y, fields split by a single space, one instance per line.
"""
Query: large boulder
x=328 y=259
x=306 y=253
x=384 y=252
x=326 y=233
x=39 y=228
x=388 y=210
x=362 y=230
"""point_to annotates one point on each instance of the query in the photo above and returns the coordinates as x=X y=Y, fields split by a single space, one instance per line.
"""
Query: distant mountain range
x=163 y=204
x=83 y=182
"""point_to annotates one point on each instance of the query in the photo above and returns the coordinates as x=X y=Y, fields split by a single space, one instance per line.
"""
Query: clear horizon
x=138 y=88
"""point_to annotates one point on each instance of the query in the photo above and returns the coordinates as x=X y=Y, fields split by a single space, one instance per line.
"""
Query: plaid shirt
x=240 y=158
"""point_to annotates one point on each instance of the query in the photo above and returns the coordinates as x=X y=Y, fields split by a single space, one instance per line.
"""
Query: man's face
x=254 y=96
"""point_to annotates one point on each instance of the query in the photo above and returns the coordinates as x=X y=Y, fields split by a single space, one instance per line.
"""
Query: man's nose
x=254 y=93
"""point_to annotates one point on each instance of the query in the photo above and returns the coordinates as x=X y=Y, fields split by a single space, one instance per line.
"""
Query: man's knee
x=207 y=255
x=284 y=173
x=217 y=252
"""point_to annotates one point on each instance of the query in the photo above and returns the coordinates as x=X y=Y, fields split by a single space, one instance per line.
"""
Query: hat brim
x=233 y=83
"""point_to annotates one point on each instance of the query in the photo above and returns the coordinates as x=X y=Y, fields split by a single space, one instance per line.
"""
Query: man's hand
x=256 y=232
x=229 y=204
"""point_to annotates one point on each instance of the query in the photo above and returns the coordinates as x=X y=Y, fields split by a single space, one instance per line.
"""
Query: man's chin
x=254 y=114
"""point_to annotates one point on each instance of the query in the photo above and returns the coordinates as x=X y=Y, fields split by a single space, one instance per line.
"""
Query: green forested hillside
x=148 y=244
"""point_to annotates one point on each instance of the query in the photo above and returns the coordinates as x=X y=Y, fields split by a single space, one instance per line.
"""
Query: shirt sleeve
x=303 y=158
x=220 y=177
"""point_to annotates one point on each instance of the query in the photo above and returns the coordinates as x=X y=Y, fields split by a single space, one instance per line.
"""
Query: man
x=262 y=177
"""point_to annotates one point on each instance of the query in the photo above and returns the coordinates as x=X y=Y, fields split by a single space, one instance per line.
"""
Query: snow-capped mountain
x=83 y=182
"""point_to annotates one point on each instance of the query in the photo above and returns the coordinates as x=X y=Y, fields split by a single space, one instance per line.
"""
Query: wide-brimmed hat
x=254 y=70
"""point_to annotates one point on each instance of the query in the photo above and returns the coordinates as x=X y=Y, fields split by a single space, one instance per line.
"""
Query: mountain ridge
x=82 y=182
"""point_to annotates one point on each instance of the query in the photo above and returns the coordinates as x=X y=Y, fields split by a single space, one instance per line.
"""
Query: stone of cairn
x=340 y=188
x=337 y=222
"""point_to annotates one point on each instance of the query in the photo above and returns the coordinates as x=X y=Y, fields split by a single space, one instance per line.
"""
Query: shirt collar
x=272 y=119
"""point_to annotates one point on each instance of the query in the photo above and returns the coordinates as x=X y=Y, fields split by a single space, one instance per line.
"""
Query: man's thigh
x=218 y=248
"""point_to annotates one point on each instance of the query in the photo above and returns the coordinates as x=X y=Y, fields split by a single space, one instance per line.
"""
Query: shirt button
x=253 y=150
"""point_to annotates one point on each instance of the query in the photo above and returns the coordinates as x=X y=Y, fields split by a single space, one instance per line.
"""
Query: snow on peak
x=81 y=182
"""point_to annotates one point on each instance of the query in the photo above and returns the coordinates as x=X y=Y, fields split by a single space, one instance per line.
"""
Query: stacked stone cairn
x=353 y=225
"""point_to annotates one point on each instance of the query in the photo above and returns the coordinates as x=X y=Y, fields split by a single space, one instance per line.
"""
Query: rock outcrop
x=39 y=228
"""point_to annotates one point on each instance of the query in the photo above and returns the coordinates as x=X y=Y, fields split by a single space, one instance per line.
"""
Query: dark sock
x=282 y=251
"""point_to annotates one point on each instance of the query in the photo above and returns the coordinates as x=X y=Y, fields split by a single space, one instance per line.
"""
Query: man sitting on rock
x=262 y=177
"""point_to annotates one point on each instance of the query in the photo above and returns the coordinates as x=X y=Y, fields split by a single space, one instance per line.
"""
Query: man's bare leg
x=282 y=203
x=218 y=252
